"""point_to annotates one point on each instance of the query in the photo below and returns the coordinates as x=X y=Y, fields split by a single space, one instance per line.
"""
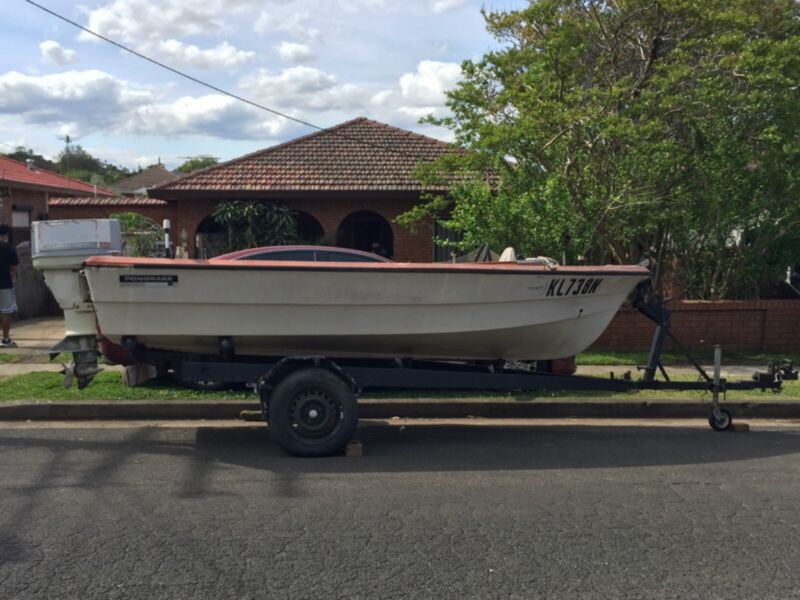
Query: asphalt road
x=427 y=512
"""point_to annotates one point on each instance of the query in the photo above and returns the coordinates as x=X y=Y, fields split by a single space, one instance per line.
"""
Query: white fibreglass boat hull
x=513 y=312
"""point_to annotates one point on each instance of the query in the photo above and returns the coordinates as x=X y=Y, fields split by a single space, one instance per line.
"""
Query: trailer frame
x=339 y=380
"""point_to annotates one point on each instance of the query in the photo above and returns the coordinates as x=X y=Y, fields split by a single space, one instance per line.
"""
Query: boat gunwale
x=267 y=265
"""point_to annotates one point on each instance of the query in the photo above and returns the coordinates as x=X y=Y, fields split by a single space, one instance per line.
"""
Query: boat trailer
x=310 y=402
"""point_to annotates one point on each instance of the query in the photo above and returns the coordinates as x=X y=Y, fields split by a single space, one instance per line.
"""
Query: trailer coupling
x=776 y=372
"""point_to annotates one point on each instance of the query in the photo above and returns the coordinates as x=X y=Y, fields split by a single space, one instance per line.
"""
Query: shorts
x=8 y=302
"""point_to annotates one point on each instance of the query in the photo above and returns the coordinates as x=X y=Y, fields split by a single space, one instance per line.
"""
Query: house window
x=21 y=226
x=21 y=219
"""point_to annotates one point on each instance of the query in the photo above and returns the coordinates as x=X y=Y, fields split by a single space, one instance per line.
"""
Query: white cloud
x=427 y=86
x=288 y=21
x=158 y=26
x=56 y=53
x=310 y=90
x=382 y=98
x=223 y=55
x=127 y=157
x=440 y=6
x=212 y=115
x=359 y=5
x=82 y=102
x=294 y=16
x=295 y=80
x=296 y=53
x=76 y=101
x=144 y=20
x=417 y=94
x=12 y=144
x=302 y=87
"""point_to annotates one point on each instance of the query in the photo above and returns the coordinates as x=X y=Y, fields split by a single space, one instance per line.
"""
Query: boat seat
x=508 y=255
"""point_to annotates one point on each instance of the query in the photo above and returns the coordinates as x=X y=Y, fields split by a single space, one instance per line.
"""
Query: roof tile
x=149 y=177
x=121 y=201
x=12 y=171
x=357 y=155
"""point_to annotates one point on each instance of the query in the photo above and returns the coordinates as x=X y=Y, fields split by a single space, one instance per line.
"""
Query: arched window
x=210 y=238
x=141 y=235
x=309 y=230
x=366 y=230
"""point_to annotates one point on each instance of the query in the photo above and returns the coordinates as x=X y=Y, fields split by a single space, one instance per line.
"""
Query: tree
x=142 y=235
x=78 y=159
x=252 y=224
x=23 y=154
x=197 y=162
x=74 y=161
x=623 y=129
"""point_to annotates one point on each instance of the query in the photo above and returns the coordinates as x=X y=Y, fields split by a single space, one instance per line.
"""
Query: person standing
x=8 y=268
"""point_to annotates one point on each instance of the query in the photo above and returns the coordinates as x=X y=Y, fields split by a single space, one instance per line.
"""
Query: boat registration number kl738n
x=573 y=286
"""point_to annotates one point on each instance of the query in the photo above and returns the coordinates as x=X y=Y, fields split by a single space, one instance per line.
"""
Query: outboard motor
x=59 y=249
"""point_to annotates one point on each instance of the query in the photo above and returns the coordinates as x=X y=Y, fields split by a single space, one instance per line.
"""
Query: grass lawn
x=47 y=386
x=37 y=358
x=108 y=386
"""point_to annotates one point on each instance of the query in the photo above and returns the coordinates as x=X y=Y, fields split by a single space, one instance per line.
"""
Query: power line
x=216 y=88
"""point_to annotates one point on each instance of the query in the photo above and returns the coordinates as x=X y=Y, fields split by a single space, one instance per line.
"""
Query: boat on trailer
x=467 y=311
x=312 y=336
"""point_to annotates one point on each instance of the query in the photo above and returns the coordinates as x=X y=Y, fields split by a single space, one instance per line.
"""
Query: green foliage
x=77 y=159
x=197 y=162
x=22 y=154
x=143 y=236
x=74 y=161
x=623 y=130
x=252 y=224
x=47 y=386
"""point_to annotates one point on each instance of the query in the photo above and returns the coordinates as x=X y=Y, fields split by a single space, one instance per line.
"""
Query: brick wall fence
x=752 y=326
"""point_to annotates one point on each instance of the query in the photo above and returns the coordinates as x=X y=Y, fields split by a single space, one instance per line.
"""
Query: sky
x=324 y=61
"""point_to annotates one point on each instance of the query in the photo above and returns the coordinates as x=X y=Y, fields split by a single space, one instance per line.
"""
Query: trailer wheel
x=312 y=412
x=720 y=420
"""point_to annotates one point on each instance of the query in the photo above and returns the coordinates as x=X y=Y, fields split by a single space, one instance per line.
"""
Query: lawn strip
x=107 y=386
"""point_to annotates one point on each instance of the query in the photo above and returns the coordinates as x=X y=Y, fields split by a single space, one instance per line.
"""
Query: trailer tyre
x=312 y=412
x=723 y=422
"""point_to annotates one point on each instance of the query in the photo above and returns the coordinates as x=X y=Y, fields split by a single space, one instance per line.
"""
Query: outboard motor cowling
x=59 y=249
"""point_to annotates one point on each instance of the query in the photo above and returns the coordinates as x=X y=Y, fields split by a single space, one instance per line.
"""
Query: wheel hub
x=313 y=413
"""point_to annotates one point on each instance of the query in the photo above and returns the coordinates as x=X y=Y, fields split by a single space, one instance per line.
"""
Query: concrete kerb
x=386 y=409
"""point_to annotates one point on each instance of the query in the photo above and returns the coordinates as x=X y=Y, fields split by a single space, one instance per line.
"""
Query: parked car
x=303 y=253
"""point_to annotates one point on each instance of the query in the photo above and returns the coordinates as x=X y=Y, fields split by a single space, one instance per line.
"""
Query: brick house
x=25 y=191
x=139 y=183
x=345 y=184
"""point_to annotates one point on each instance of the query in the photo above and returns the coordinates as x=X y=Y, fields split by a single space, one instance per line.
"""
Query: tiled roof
x=12 y=171
x=114 y=201
x=149 y=177
x=357 y=155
